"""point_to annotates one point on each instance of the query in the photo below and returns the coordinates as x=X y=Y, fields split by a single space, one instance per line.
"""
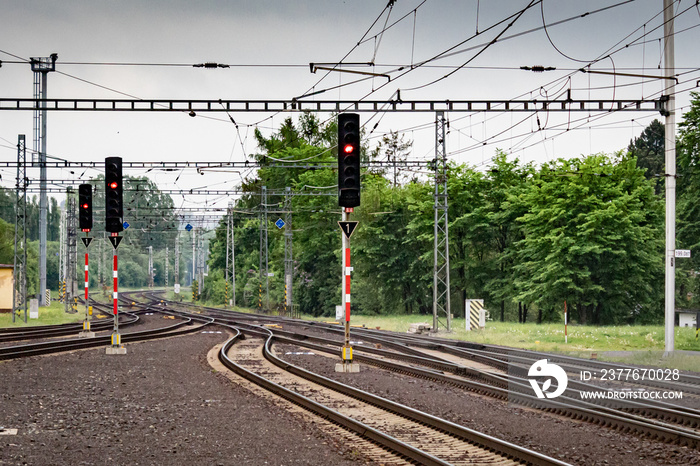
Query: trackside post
x=347 y=227
x=85 y=221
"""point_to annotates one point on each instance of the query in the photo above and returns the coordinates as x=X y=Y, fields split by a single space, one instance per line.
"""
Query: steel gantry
x=19 y=293
x=331 y=106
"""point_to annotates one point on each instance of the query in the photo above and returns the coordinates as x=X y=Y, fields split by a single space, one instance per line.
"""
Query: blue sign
x=126 y=225
x=280 y=223
x=188 y=227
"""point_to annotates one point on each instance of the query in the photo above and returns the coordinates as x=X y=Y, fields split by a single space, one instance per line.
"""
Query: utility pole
x=62 y=242
x=101 y=261
x=201 y=260
x=166 y=267
x=288 y=256
x=19 y=297
x=41 y=68
x=71 y=253
x=263 y=267
x=230 y=258
x=194 y=254
x=441 y=253
x=150 y=267
x=670 y=156
x=177 y=264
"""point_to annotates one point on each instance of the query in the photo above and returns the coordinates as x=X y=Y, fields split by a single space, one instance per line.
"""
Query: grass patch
x=50 y=315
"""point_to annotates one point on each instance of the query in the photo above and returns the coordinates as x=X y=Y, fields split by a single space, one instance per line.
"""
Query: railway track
x=185 y=326
x=410 y=434
x=670 y=424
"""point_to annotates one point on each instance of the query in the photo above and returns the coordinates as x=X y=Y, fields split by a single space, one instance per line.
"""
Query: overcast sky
x=281 y=38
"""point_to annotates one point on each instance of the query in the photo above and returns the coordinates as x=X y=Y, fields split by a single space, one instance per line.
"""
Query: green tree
x=688 y=207
x=7 y=242
x=648 y=148
x=391 y=275
x=395 y=149
x=592 y=237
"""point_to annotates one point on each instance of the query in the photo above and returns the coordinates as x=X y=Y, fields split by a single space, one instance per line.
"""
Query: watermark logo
x=543 y=368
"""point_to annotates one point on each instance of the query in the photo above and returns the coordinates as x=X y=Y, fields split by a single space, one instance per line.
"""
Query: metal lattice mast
x=62 y=241
x=194 y=255
x=19 y=297
x=288 y=256
x=201 y=260
x=441 y=253
x=101 y=260
x=263 y=267
x=150 y=267
x=71 y=252
x=166 y=266
x=230 y=257
x=177 y=259
x=41 y=68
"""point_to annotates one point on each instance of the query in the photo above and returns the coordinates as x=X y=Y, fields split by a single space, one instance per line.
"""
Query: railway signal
x=85 y=222
x=114 y=207
x=114 y=224
x=348 y=160
x=85 y=200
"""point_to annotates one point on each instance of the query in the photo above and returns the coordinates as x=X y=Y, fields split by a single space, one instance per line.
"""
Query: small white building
x=687 y=318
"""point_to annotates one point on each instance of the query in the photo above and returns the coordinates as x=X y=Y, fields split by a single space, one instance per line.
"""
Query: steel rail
x=19 y=351
x=535 y=355
x=482 y=440
x=490 y=443
x=502 y=388
x=388 y=442
x=505 y=389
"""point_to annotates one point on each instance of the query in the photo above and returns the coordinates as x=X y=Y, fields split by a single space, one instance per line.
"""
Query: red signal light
x=85 y=206
x=348 y=149
x=113 y=185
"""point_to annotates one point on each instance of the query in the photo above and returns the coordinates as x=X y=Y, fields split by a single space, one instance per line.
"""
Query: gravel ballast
x=160 y=404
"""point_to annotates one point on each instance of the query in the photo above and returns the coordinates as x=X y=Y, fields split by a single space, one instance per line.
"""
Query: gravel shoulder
x=160 y=404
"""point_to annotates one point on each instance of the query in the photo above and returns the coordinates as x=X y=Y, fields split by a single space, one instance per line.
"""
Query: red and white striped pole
x=347 y=281
x=86 y=324
x=566 y=321
x=86 y=333
x=347 y=349
x=116 y=287
x=116 y=338
x=86 y=277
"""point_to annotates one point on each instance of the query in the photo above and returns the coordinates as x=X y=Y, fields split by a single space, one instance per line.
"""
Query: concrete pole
x=670 y=149
x=43 y=199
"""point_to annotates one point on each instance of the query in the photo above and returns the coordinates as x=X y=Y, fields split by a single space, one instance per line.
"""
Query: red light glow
x=85 y=206
x=113 y=185
x=348 y=148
